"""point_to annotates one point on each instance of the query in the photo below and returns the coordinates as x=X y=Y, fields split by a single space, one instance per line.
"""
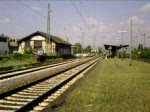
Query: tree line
x=137 y=53
x=78 y=48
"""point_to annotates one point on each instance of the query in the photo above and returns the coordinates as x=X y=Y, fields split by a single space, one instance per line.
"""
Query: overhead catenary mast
x=144 y=40
x=131 y=46
x=82 y=43
x=48 y=29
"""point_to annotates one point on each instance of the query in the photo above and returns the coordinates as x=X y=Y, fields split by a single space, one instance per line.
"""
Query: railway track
x=144 y=60
x=34 y=96
x=23 y=71
x=30 y=66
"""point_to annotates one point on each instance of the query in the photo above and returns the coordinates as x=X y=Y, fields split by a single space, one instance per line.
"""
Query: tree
x=99 y=50
x=88 y=49
x=140 y=47
x=77 y=48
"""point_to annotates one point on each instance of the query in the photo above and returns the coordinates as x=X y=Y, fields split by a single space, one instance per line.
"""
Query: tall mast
x=131 y=45
x=48 y=28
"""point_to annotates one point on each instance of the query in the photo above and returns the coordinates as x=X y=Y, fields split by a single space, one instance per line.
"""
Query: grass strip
x=113 y=86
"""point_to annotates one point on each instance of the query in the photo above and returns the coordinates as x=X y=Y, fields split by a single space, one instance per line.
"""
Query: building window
x=27 y=44
x=3 y=39
x=37 y=44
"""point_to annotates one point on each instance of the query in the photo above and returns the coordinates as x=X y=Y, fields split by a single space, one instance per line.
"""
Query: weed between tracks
x=113 y=86
x=17 y=62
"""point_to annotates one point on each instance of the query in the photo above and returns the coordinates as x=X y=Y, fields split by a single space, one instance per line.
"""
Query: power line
x=84 y=9
x=94 y=35
x=39 y=13
x=79 y=14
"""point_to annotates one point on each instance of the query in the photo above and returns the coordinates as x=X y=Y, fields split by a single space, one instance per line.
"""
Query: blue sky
x=99 y=19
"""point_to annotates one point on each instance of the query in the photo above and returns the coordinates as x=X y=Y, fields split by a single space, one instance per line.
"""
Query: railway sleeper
x=36 y=76
x=42 y=91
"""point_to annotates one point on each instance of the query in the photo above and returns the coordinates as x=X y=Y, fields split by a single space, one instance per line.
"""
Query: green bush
x=30 y=51
x=5 y=59
x=124 y=54
x=26 y=56
x=145 y=55
x=17 y=56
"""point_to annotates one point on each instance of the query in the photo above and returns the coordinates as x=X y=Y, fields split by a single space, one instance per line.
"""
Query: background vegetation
x=18 y=59
x=137 y=53
x=87 y=50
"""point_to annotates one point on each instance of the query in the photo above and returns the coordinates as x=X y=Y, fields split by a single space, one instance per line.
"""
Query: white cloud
x=91 y=25
x=4 y=20
x=145 y=8
x=95 y=25
x=36 y=8
x=100 y=28
x=76 y=29
x=93 y=21
x=136 y=20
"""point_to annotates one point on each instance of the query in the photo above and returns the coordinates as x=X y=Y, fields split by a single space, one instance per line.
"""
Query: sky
x=99 y=22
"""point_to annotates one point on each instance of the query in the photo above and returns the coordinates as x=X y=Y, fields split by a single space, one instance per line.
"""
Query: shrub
x=17 y=56
x=30 y=51
x=5 y=59
x=26 y=56
x=145 y=53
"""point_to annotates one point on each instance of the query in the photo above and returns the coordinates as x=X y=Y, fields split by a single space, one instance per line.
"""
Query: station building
x=40 y=41
x=114 y=48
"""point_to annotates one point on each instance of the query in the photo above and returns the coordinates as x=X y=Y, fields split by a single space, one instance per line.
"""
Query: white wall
x=37 y=37
x=21 y=47
x=45 y=46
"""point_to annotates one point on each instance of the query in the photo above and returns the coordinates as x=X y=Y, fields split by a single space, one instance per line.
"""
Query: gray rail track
x=22 y=80
x=25 y=99
x=21 y=72
x=144 y=60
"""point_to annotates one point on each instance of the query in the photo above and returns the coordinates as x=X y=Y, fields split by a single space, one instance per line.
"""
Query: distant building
x=38 y=41
x=13 y=45
x=4 y=45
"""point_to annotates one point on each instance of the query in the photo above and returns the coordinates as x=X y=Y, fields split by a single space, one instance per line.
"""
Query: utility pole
x=94 y=45
x=122 y=47
x=48 y=29
x=144 y=40
x=65 y=37
x=122 y=43
x=82 y=43
x=131 y=45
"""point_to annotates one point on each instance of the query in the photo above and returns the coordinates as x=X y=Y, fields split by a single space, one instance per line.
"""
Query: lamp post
x=122 y=43
x=144 y=35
